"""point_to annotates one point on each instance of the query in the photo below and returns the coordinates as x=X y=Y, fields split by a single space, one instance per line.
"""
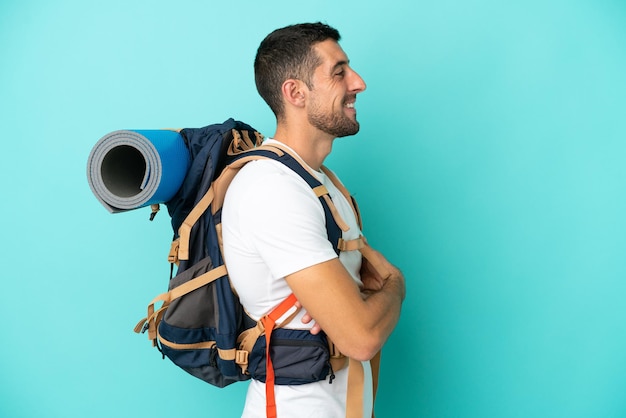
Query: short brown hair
x=288 y=53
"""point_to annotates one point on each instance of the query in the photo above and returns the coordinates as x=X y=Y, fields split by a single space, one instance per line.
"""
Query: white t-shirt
x=273 y=225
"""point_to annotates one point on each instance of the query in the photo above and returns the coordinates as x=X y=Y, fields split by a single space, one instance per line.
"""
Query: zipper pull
x=332 y=374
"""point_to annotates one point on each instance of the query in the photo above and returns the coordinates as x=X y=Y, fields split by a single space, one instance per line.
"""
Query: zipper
x=297 y=343
x=306 y=343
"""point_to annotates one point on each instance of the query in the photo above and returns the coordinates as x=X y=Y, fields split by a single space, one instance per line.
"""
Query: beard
x=333 y=123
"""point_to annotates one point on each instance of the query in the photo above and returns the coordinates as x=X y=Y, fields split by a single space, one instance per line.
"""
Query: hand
x=371 y=278
x=376 y=270
x=307 y=318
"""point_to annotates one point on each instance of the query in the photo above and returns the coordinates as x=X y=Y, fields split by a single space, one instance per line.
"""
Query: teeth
x=350 y=105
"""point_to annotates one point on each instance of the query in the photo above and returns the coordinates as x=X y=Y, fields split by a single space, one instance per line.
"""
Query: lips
x=349 y=102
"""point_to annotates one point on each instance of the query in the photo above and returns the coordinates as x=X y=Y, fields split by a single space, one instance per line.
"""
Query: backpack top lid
x=208 y=148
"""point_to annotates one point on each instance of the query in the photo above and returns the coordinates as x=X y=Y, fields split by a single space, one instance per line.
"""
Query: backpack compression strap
x=151 y=322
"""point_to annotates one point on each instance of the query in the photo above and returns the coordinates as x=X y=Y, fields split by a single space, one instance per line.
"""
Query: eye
x=340 y=73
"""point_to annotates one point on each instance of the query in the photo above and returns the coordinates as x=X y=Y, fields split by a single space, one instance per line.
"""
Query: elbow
x=363 y=348
x=365 y=355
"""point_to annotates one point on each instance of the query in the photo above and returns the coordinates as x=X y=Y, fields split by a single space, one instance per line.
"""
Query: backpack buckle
x=241 y=357
x=172 y=257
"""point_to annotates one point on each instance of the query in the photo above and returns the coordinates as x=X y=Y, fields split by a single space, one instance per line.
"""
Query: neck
x=311 y=145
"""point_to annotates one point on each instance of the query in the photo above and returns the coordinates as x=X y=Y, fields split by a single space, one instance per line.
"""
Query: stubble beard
x=335 y=124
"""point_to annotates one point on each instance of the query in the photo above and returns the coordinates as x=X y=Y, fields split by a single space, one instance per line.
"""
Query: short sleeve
x=280 y=218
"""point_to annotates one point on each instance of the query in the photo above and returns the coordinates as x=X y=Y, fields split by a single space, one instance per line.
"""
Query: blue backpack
x=200 y=324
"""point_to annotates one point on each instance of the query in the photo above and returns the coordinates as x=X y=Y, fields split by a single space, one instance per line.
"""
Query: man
x=275 y=239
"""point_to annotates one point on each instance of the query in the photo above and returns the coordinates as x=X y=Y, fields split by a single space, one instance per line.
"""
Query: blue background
x=490 y=167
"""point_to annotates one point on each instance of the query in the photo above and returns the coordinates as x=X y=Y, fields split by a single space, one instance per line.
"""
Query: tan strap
x=275 y=148
x=375 y=364
x=230 y=354
x=151 y=321
x=246 y=341
x=339 y=185
x=238 y=356
x=140 y=325
x=356 y=379
x=351 y=245
x=338 y=363
x=241 y=359
x=356 y=376
x=247 y=338
x=220 y=185
x=214 y=197
x=198 y=282
x=242 y=142
x=338 y=219
x=172 y=257
x=220 y=241
x=184 y=231
x=357 y=211
x=337 y=360
x=154 y=320
x=320 y=190
x=154 y=317
x=376 y=260
x=195 y=346
x=354 y=395
x=333 y=210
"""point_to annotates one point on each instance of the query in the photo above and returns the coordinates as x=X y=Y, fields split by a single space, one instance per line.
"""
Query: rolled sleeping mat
x=130 y=169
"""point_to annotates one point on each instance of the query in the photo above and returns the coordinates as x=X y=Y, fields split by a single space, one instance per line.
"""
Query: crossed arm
x=358 y=320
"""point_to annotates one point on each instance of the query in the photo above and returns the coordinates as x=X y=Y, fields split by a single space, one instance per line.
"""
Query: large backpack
x=200 y=325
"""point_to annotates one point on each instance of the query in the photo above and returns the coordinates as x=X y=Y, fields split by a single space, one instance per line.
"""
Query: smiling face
x=334 y=86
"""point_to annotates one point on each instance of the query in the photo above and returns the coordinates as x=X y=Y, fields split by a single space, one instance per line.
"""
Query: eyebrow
x=340 y=64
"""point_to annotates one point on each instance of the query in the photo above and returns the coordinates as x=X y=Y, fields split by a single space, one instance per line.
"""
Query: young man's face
x=333 y=94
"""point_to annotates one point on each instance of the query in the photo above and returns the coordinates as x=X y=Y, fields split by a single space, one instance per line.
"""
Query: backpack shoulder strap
x=334 y=223
x=293 y=161
x=354 y=244
x=339 y=185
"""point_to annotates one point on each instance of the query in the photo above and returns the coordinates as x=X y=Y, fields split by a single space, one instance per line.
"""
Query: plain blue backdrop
x=490 y=167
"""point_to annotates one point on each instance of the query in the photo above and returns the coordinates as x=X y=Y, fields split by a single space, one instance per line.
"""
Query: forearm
x=384 y=306
x=358 y=325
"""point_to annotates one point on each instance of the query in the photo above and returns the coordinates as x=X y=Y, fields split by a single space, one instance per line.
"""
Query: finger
x=306 y=318
x=316 y=329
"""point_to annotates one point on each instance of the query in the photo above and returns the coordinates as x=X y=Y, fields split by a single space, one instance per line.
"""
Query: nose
x=357 y=84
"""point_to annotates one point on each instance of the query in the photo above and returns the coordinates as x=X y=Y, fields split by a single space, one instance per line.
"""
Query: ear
x=294 y=92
